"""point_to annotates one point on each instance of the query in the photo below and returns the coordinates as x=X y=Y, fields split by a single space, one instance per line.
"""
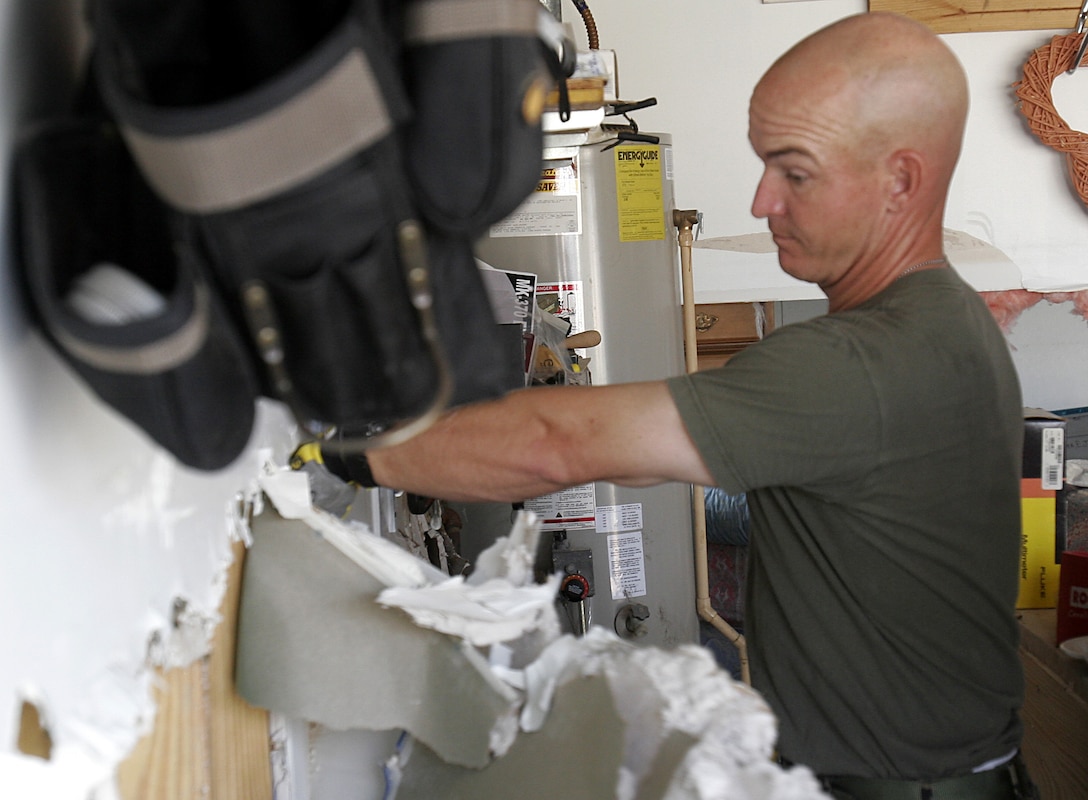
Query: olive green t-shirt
x=880 y=448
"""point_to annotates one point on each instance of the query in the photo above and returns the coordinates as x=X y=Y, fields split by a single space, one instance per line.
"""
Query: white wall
x=100 y=531
x=701 y=58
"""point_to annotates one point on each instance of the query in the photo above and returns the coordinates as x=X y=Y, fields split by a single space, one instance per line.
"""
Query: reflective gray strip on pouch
x=443 y=20
x=342 y=113
x=148 y=359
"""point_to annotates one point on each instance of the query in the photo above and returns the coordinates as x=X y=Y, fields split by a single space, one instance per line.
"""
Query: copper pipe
x=684 y=222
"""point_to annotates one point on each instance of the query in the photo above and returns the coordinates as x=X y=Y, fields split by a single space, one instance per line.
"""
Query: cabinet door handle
x=704 y=321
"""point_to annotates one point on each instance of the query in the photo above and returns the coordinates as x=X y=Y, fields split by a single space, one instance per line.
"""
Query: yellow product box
x=1042 y=524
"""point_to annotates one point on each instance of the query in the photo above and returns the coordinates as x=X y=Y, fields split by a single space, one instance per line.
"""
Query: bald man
x=879 y=445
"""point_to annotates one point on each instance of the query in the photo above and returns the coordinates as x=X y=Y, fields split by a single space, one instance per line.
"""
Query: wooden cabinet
x=724 y=329
x=1055 y=709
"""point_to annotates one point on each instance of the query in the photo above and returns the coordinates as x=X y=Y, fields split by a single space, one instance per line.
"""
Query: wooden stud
x=207 y=742
x=965 y=16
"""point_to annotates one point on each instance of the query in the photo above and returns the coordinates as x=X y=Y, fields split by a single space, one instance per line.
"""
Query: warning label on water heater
x=568 y=509
x=639 y=196
x=626 y=566
x=626 y=517
x=551 y=209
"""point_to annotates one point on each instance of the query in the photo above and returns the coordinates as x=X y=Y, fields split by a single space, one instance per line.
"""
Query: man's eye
x=796 y=177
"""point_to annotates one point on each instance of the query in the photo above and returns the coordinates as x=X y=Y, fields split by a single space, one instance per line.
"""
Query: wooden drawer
x=724 y=329
x=1055 y=711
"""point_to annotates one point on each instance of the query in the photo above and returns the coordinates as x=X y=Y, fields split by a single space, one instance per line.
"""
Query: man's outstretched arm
x=536 y=441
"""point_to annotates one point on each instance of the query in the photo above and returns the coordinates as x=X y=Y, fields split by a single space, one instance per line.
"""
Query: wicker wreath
x=1037 y=106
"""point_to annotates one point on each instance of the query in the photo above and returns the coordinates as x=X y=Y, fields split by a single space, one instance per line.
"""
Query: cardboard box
x=1042 y=527
x=1073 y=597
x=1076 y=432
x=1073 y=514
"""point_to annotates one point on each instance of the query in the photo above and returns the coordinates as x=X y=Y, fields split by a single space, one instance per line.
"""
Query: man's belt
x=1009 y=781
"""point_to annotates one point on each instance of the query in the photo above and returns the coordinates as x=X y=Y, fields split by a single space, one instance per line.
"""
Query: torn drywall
x=604 y=718
x=322 y=639
x=115 y=558
x=314 y=644
x=577 y=754
x=498 y=603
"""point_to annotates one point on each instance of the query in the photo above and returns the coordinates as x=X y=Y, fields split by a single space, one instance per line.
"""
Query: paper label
x=566 y=300
x=639 y=196
x=615 y=519
x=1039 y=570
x=626 y=566
x=1053 y=458
x=552 y=208
x=569 y=509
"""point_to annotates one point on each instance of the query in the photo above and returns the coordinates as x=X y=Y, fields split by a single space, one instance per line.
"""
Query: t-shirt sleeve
x=796 y=409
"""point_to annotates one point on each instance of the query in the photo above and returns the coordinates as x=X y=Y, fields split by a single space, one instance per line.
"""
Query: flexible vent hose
x=591 y=25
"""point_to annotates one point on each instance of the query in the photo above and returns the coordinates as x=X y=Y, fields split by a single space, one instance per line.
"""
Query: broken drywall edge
x=499 y=602
x=513 y=556
x=314 y=644
x=726 y=732
x=289 y=491
x=685 y=730
x=576 y=755
x=116 y=540
x=484 y=614
x=659 y=691
x=89 y=744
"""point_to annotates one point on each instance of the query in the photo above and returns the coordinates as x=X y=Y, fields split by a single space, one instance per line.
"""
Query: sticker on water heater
x=639 y=195
x=569 y=509
x=566 y=300
x=616 y=519
x=626 y=566
x=551 y=209
x=1053 y=458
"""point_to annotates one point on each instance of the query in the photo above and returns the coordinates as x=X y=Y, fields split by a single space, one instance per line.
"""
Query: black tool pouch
x=291 y=194
x=137 y=322
x=474 y=72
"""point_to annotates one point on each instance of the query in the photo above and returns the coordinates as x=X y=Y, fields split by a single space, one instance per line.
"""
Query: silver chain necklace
x=920 y=264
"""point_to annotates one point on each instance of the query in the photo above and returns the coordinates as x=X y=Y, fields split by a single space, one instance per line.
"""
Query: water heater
x=598 y=235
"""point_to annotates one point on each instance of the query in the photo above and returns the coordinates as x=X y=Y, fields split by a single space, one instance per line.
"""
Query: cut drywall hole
x=34 y=739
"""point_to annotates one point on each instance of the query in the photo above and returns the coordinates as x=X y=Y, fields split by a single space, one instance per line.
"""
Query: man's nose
x=767 y=201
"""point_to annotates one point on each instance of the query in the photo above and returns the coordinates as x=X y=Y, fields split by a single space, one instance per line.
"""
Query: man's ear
x=905 y=169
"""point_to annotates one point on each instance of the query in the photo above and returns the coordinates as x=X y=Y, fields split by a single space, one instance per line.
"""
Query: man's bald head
x=859 y=128
x=890 y=80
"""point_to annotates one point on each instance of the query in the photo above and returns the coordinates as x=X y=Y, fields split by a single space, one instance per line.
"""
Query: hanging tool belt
x=298 y=183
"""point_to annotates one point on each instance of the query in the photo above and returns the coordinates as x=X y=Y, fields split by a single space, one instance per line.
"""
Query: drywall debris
x=665 y=725
x=576 y=754
x=289 y=491
x=661 y=692
x=499 y=602
x=340 y=627
x=314 y=644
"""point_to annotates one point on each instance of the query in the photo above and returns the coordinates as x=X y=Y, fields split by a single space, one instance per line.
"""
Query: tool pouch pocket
x=291 y=194
x=318 y=267
x=475 y=74
x=143 y=330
